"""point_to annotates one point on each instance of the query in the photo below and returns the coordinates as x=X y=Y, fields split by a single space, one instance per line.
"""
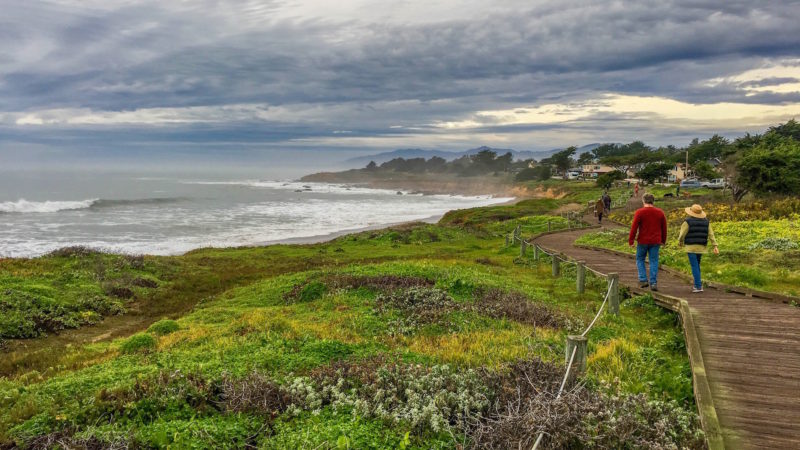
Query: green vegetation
x=141 y=342
x=483 y=162
x=758 y=243
x=72 y=287
x=164 y=327
x=409 y=337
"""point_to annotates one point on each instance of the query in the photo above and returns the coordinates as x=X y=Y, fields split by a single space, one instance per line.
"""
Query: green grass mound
x=164 y=327
x=138 y=343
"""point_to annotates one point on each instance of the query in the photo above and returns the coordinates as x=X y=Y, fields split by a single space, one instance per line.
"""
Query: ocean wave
x=52 y=206
x=303 y=186
x=105 y=203
x=25 y=206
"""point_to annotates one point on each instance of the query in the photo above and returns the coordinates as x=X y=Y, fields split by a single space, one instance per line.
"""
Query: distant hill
x=408 y=153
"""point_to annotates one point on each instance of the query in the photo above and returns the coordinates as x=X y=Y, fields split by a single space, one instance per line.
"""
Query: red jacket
x=651 y=223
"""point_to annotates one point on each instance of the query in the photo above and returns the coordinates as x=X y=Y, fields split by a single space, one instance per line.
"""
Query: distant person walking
x=695 y=235
x=599 y=209
x=607 y=202
x=636 y=190
x=649 y=229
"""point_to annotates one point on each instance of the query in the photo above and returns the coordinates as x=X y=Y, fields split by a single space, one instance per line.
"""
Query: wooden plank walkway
x=746 y=366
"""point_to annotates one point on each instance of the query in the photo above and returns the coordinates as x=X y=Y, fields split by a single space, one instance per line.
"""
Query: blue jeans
x=694 y=261
x=643 y=250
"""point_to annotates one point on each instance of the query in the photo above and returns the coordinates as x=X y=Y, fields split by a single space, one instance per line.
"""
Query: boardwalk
x=749 y=354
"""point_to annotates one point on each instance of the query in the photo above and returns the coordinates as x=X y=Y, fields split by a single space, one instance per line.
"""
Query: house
x=595 y=170
x=677 y=173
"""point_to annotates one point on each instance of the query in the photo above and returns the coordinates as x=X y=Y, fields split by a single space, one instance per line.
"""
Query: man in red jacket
x=651 y=225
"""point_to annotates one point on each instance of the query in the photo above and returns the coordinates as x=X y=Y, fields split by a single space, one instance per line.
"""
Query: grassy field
x=759 y=242
x=420 y=336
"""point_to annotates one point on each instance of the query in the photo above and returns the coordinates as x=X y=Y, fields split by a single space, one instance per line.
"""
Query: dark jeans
x=694 y=261
x=651 y=251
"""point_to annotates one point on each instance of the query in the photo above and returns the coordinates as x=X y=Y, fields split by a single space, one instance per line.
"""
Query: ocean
x=166 y=214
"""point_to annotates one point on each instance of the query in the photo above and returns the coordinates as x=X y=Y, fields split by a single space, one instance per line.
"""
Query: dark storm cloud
x=66 y=55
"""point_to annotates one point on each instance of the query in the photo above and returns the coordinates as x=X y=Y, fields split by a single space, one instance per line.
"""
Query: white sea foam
x=48 y=206
x=265 y=212
x=302 y=186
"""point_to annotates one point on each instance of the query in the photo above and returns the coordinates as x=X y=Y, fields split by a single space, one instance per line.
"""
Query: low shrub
x=119 y=292
x=418 y=306
x=526 y=405
x=164 y=327
x=255 y=394
x=74 y=251
x=515 y=306
x=138 y=343
x=25 y=315
x=438 y=398
x=144 y=282
x=305 y=292
x=383 y=283
x=775 y=243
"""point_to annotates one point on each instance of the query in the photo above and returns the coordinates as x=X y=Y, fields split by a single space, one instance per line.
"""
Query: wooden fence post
x=548 y=226
x=506 y=240
x=535 y=252
x=522 y=246
x=579 y=363
x=581 y=278
x=556 y=265
x=613 y=297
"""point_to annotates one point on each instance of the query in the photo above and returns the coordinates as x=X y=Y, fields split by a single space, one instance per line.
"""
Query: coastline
x=327 y=237
x=320 y=238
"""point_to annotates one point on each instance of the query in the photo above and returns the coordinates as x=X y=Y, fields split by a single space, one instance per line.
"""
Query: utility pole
x=686 y=168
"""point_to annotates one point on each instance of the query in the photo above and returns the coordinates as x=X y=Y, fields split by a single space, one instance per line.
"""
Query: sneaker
x=653 y=287
x=643 y=284
x=696 y=290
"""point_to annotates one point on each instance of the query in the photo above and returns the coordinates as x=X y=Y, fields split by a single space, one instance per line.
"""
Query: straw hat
x=696 y=211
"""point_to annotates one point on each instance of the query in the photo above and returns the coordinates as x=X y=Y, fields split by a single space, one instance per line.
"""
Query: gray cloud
x=369 y=73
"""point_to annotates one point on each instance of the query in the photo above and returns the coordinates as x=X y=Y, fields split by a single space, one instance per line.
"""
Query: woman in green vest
x=696 y=233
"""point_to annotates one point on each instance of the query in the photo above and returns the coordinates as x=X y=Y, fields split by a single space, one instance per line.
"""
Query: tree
x=484 y=158
x=372 y=165
x=790 y=129
x=771 y=169
x=621 y=163
x=714 y=147
x=540 y=172
x=704 y=171
x=437 y=164
x=607 y=179
x=654 y=171
x=563 y=160
x=504 y=162
x=585 y=158
x=730 y=169
x=604 y=150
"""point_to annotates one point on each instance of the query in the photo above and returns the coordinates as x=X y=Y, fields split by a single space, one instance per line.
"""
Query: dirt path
x=750 y=349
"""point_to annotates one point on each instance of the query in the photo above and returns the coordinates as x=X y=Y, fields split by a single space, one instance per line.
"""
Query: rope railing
x=572 y=358
x=576 y=343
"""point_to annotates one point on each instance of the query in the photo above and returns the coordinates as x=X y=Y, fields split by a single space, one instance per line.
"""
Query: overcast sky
x=117 y=78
